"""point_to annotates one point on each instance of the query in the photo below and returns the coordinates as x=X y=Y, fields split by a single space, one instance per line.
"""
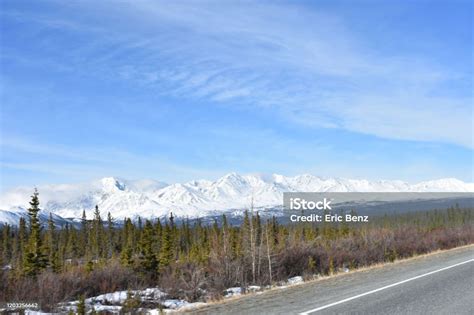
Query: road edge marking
x=383 y=288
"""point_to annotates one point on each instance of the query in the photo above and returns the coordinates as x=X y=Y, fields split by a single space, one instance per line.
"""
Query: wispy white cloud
x=307 y=66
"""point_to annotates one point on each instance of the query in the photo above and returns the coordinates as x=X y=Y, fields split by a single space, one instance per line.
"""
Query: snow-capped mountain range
x=198 y=198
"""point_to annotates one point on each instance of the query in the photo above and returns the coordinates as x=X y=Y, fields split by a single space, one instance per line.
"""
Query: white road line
x=383 y=288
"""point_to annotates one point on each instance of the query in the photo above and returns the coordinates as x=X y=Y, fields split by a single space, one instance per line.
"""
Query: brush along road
x=440 y=283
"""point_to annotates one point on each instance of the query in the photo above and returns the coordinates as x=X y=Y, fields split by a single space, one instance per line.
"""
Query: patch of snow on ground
x=233 y=292
x=295 y=280
x=236 y=291
x=112 y=302
x=152 y=293
x=117 y=297
x=107 y=308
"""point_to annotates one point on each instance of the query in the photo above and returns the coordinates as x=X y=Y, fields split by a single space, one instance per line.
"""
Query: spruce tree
x=6 y=243
x=35 y=259
x=235 y=243
x=166 y=251
x=20 y=246
x=126 y=255
x=50 y=238
x=158 y=232
x=148 y=259
x=72 y=246
x=110 y=236
x=22 y=233
x=84 y=239
x=52 y=246
x=96 y=235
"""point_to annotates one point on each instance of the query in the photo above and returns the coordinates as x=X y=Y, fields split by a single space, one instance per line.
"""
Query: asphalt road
x=441 y=283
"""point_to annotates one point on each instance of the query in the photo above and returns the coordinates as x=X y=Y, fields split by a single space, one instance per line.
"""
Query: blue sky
x=179 y=90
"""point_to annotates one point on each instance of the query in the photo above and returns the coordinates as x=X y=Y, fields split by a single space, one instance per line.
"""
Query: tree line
x=194 y=260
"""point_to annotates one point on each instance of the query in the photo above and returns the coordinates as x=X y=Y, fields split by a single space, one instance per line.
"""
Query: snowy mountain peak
x=112 y=184
x=231 y=178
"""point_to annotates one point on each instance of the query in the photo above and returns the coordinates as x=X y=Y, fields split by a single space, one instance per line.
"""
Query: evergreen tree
x=174 y=237
x=20 y=246
x=6 y=243
x=22 y=233
x=148 y=259
x=55 y=262
x=52 y=246
x=35 y=259
x=96 y=235
x=72 y=247
x=84 y=246
x=50 y=241
x=126 y=256
x=110 y=236
x=235 y=243
x=166 y=252
x=158 y=232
